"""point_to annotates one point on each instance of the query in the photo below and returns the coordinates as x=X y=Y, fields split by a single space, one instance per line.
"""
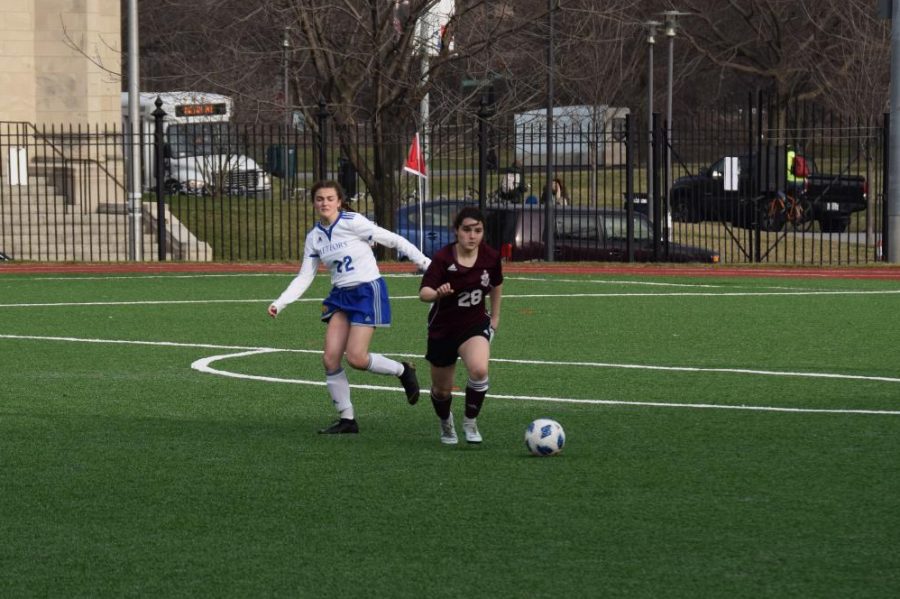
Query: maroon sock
x=474 y=398
x=441 y=405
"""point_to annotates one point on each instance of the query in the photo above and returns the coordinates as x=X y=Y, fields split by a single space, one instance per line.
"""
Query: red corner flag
x=415 y=160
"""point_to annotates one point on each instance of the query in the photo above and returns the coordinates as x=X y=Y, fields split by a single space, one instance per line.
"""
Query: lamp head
x=671 y=17
x=651 y=33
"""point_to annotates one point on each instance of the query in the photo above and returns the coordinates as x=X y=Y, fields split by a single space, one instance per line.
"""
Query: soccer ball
x=545 y=437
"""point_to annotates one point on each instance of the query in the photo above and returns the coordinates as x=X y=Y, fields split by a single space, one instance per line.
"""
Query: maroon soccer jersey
x=456 y=314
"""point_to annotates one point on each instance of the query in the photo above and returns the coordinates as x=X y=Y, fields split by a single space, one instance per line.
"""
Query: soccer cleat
x=410 y=383
x=448 y=432
x=341 y=427
x=470 y=428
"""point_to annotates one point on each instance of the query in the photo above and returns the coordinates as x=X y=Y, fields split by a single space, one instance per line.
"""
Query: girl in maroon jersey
x=461 y=277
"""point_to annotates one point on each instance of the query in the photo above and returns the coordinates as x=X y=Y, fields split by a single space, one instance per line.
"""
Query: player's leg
x=336 y=336
x=359 y=357
x=442 y=398
x=475 y=353
x=357 y=350
x=372 y=308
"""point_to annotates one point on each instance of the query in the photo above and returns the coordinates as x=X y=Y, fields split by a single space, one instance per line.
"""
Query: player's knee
x=357 y=360
x=331 y=363
x=441 y=392
x=478 y=373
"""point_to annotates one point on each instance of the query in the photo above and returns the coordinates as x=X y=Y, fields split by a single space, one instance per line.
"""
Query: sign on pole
x=434 y=27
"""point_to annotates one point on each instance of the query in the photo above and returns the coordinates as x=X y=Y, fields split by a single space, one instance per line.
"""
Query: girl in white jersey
x=358 y=301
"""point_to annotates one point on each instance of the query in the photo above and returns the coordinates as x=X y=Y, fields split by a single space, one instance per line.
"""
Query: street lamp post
x=135 y=228
x=651 y=42
x=285 y=49
x=671 y=17
x=549 y=206
x=891 y=239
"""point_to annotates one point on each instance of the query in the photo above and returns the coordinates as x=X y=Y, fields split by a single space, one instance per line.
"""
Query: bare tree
x=795 y=49
x=364 y=60
x=367 y=62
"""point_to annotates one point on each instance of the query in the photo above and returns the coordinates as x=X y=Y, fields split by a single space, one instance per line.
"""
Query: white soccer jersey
x=345 y=249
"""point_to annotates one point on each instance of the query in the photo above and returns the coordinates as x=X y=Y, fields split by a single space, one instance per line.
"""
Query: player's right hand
x=273 y=311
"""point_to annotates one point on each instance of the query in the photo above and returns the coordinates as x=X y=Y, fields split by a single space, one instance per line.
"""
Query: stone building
x=63 y=188
x=60 y=60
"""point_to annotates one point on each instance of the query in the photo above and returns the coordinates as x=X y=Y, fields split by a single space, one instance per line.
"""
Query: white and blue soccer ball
x=545 y=437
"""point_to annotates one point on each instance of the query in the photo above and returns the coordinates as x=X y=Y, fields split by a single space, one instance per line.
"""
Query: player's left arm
x=434 y=285
x=432 y=294
x=496 y=295
x=392 y=240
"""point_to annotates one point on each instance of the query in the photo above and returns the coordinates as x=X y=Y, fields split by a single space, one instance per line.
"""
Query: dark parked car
x=437 y=223
x=518 y=232
x=706 y=196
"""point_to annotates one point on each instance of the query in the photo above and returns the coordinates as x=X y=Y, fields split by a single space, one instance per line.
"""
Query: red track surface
x=568 y=268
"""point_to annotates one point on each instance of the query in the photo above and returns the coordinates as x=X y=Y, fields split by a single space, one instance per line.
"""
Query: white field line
x=710 y=293
x=114 y=278
x=187 y=276
x=322 y=276
x=204 y=365
x=612 y=282
x=655 y=283
x=251 y=349
x=73 y=278
x=505 y=296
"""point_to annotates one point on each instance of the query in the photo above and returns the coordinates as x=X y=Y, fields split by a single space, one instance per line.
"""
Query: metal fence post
x=483 y=114
x=752 y=159
x=654 y=207
x=160 y=165
x=886 y=185
x=322 y=118
x=755 y=208
x=629 y=187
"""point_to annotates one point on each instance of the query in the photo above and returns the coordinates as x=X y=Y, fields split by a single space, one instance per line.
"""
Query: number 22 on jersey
x=345 y=265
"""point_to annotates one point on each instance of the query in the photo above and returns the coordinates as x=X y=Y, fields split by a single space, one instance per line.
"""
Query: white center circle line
x=204 y=365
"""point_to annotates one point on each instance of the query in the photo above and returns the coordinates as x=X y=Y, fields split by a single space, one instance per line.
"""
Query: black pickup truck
x=743 y=201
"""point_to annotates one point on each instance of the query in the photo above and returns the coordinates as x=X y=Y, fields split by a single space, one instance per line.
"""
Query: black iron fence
x=725 y=187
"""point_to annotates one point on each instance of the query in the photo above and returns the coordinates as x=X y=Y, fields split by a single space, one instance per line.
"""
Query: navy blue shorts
x=366 y=304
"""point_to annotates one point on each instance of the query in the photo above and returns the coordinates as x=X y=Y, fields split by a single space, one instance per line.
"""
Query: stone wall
x=59 y=71
x=44 y=76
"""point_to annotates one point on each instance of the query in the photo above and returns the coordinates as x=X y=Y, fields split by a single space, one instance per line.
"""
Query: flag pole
x=415 y=164
x=421 y=181
x=424 y=115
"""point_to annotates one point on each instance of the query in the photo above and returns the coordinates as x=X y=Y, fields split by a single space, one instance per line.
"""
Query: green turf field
x=727 y=437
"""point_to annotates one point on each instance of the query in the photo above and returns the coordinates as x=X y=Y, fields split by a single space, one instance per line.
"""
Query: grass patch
x=128 y=473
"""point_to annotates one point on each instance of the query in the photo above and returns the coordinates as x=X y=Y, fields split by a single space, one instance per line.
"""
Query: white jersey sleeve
x=399 y=243
x=304 y=278
x=345 y=249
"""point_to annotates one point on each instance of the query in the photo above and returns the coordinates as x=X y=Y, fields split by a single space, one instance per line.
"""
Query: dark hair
x=468 y=212
x=562 y=187
x=328 y=184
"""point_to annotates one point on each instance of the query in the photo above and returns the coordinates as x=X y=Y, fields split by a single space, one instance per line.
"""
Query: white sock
x=339 y=389
x=381 y=365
